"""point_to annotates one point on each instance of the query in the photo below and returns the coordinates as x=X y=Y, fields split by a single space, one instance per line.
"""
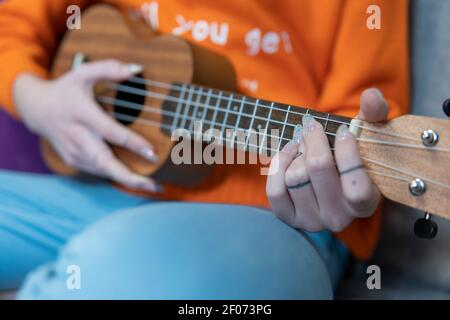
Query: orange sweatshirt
x=315 y=53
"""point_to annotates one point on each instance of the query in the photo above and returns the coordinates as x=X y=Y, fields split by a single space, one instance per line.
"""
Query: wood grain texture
x=108 y=34
x=420 y=162
x=105 y=35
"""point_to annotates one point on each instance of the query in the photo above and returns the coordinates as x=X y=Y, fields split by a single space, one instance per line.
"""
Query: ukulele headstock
x=409 y=160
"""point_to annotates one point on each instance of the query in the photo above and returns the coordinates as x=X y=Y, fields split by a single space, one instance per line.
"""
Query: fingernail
x=377 y=92
x=308 y=123
x=146 y=184
x=149 y=155
x=134 y=68
x=153 y=187
x=342 y=132
x=298 y=134
x=158 y=188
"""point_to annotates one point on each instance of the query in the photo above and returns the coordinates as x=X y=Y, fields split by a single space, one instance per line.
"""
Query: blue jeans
x=123 y=246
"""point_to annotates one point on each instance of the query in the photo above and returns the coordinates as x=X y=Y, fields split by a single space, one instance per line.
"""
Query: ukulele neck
x=198 y=109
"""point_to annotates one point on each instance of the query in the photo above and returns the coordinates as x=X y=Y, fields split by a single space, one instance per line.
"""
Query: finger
x=118 y=172
x=119 y=135
x=323 y=174
x=276 y=191
x=302 y=194
x=373 y=106
x=361 y=195
x=107 y=70
x=98 y=159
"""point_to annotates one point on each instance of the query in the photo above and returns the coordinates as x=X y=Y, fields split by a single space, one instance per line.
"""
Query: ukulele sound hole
x=129 y=103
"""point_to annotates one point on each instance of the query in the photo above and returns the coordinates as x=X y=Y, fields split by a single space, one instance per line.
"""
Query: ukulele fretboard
x=266 y=125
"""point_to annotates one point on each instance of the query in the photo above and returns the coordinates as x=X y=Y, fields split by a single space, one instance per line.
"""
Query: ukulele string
x=151 y=123
x=231 y=142
x=154 y=109
x=147 y=122
x=157 y=95
x=387 y=175
x=178 y=88
x=381 y=164
x=403 y=145
x=151 y=109
x=140 y=92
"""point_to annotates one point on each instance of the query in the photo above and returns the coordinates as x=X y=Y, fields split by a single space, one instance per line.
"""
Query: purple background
x=19 y=148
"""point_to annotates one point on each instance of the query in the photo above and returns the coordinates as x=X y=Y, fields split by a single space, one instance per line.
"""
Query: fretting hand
x=311 y=190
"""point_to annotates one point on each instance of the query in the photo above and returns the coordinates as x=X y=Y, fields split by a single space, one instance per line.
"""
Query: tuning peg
x=446 y=107
x=425 y=228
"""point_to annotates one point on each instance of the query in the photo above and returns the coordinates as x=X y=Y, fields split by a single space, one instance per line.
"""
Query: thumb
x=108 y=70
x=373 y=106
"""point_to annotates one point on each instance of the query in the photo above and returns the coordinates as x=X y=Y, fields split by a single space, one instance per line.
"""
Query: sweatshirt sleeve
x=365 y=57
x=29 y=34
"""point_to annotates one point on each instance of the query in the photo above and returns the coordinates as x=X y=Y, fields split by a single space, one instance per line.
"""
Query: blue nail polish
x=342 y=132
x=149 y=154
x=298 y=134
x=307 y=121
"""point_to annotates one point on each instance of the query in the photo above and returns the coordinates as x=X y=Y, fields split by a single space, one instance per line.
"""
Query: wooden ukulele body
x=109 y=34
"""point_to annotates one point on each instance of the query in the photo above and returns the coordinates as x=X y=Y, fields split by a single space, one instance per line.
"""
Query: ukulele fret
x=196 y=105
x=264 y=140
x=186 y=107
x=227 y=112
x=236 y=125
x=250 y=130
x=284 y=128
x=326 y=122
x=205 y=111
x=216 y=109
x=178 y=108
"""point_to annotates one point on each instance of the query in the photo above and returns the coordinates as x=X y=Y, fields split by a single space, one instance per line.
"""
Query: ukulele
x=407 y=158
